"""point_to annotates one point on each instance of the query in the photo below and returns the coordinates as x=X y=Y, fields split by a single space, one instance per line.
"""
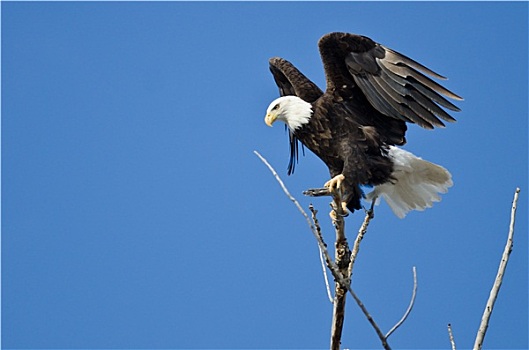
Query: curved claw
x=335 y=213
x=334 y=186
x=344 y=209
x=335 y=183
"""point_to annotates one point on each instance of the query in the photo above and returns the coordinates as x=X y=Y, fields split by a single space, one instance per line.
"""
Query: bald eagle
x=355 y=126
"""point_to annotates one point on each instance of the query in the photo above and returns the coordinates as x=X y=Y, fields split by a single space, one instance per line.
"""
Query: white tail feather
x=417 y=185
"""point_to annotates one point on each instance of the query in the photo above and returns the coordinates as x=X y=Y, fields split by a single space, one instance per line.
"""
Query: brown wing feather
x=292 y=82
x=391 y=82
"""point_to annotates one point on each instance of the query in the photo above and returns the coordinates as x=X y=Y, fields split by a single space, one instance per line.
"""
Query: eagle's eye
x=276 y=107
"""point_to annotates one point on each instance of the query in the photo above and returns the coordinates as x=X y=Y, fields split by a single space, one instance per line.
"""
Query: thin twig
x=324 y=268
x=316 y=223
x=325 y=277
x=381 y=336
x=323 y=248
x=412 y=302
x=451 y=336
x=356 y=245
x=499 y=278
x=338 y=276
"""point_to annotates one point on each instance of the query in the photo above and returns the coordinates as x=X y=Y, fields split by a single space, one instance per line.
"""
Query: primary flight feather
x=356 y=124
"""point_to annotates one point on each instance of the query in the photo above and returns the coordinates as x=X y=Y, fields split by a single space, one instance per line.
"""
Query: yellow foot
x=333 y=214
x=335 y=183
x=344 y=209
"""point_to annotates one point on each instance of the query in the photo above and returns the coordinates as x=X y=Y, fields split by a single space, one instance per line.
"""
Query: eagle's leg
x=335 y=185
x=371 y=210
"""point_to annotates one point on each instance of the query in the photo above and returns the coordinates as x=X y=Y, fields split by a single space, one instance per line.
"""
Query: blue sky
x=135 y=215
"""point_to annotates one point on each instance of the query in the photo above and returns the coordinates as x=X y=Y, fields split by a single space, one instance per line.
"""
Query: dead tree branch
x=318 y=229
x=412 y=302
x=451 y=336
x=340 y=278
x=499 y=278
x=358 y=240
x=381 y=336
x=323 y=247
x=342 y=256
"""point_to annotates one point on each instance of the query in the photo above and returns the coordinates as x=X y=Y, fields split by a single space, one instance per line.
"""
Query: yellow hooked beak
x=270 y=118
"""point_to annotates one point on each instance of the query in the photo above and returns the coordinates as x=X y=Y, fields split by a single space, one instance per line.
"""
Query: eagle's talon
x=344 y=215
x=334 y=215
x=344 y=210
x=335 y=183
x=334 y=212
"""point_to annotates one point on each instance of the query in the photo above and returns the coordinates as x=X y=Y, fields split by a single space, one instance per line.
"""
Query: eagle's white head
x=290 y=109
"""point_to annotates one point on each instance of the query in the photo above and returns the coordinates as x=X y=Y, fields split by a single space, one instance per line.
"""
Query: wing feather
x=394 y=84
x=416 y=103
x=410 y=94
x=408 y=108
x=398 y=58
x=377 y=100
x=427 y=92
x=408 y=72
x=291 y=81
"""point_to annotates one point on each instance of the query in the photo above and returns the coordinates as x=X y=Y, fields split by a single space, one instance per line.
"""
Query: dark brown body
x=358 y=151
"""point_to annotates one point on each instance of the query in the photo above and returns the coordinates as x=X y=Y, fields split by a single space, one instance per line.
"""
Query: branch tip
x=499 y=277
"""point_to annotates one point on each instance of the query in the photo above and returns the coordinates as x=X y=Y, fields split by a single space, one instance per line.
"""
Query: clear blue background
x=135 y=215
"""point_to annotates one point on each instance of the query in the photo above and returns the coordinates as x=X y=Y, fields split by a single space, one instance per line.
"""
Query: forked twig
x=499 y=278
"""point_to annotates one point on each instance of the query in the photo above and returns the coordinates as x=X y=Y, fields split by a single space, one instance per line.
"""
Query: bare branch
x=499 y=278
x=338 y=316
x=325 y=277
x=323 y=248
x=317 y=225
x=338 y=276
x=412 y=302
x=356 y=245
x=342 y=256
x=381 y=336
x=314 y=230
x=451 y=336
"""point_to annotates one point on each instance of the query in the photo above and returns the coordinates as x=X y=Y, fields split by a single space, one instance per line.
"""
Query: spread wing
x=394 y=84
x=291 y=81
